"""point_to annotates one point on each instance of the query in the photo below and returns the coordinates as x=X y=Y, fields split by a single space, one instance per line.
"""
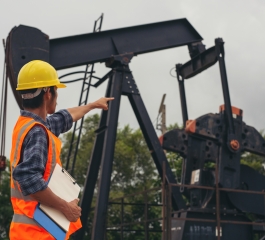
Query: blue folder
x=54 y=229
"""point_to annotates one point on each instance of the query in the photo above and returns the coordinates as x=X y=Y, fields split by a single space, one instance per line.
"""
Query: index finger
x=76 y=200
x=110 y=99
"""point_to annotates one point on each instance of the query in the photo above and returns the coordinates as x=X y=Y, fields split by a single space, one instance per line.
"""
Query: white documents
x=64 y=186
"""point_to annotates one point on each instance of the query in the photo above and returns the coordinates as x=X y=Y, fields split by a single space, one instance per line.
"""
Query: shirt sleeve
x=60 y=122
x=29 y=172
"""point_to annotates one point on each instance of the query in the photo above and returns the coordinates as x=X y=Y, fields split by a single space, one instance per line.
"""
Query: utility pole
x=161 y=118
x=3 y=107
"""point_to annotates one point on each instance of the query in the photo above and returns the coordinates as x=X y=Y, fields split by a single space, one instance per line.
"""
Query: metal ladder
x=77 y=131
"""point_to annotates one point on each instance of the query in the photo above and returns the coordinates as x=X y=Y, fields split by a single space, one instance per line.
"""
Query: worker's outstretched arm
x=70 y=209
x=80 y=111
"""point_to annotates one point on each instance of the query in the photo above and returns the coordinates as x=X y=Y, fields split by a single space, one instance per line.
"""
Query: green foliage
x=133 y=171
x=174 y=126
x=133 y=167
x=85 y=147
x=254 y=161
x=257 y=163
x=6 y=211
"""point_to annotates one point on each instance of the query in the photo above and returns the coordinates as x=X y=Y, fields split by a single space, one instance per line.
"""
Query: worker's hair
x=37 y=101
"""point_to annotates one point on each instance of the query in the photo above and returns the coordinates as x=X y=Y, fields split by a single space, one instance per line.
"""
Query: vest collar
x=37 y=118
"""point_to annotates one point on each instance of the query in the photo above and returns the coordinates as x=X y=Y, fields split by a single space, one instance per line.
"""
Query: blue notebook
x=47 y=223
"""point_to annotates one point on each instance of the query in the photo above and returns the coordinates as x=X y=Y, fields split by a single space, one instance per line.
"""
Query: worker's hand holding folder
x=63 y=185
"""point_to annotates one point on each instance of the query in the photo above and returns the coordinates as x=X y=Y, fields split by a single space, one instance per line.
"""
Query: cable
x=171 y=71
x=155 y=120
x=75 y=80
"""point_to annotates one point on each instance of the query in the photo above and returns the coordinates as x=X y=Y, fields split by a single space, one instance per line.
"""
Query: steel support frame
x=182 y=94
x=103 y=151
x=191 y=68
x=97 y=156
x=200 y=63
x=115 y=90
x=227 y=102
x=26 y=43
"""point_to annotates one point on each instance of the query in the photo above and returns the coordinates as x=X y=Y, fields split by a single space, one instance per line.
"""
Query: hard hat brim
x=61 y=85
x=41 y=84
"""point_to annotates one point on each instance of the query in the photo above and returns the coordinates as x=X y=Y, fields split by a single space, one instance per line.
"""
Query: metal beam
x=98 y=47
x=95 y=161
x=101 y=209
x=198 y=64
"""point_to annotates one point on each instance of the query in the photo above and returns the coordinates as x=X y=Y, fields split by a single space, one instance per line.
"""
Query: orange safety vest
x=23 y=226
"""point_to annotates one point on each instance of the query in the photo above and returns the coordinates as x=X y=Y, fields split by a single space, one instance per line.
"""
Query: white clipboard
x=64 y=186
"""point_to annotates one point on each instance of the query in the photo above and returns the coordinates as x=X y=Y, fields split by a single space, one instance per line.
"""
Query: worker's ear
x=47 y=93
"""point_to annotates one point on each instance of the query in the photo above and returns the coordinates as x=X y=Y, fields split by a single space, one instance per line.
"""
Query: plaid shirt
x=29 y=172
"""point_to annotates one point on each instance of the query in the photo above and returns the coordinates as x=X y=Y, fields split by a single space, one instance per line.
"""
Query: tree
x=253 y=160
x=6 y=211
x=133 y=171
x=132 y=164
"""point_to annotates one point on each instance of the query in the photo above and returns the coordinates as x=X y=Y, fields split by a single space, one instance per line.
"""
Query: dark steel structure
x=219 y=139
x=116 y=48
x=216 y=138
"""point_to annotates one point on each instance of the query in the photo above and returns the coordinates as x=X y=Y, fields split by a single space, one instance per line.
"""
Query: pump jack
x=219 y=138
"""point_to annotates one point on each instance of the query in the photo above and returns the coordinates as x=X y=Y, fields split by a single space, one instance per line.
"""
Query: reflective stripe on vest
x=19 y=218
x=18 y=141
x=15 y=193
x=53 y=154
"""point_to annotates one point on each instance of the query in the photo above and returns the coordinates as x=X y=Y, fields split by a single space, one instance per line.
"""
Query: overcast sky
x=240 y=23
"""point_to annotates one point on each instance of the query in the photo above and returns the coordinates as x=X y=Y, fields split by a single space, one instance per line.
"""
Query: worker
x=36 y=150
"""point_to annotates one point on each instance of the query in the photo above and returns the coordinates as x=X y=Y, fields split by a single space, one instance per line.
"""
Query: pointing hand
x=102 y=103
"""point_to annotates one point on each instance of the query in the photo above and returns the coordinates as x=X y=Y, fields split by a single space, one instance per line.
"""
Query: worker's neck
x=41 y=112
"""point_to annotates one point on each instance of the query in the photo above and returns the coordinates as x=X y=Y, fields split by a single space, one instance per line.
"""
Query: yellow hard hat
x=37 y=74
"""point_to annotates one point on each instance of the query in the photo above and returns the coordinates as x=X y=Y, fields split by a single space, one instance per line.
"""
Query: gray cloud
x=240 y=23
